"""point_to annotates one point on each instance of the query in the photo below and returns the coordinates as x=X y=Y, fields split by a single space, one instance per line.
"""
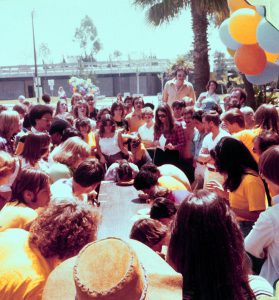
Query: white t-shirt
x=146 y=133
x=209 y=143
x=263 y=240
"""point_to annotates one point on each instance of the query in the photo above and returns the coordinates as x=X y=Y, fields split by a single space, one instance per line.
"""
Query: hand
x=216 y=187
x=170 y=146
x=103 y=160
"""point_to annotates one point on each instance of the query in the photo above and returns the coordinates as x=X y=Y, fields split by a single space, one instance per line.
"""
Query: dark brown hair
x=104 y=120
x=114 y=106
x=158 y=127
x=206 y=247
x=266 y=117
x=268 y=164
x=234 y=115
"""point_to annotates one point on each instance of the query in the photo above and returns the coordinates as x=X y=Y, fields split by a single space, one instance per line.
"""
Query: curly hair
x=206 y=247
x=64 y=228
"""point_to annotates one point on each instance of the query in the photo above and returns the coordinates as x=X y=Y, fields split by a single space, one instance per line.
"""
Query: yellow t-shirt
x=171 y=183
x=23 y=270
x=16 y=215
x=246 y=137
x=250 y=195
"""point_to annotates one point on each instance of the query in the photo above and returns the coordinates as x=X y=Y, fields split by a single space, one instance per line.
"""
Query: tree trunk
x=201 y=62
x=251 y=101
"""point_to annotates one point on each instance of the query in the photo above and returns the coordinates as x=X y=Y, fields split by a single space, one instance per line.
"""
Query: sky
x=121 y=26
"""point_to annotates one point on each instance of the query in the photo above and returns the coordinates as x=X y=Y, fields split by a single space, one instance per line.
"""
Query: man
x=40 y=118
x=58 y=233
x=134 y=118
x=56 y=131
x=21 y=99
x=178 y=88
x=238 y=98
x=249 y=116
x=85 y=180
x=211 y=122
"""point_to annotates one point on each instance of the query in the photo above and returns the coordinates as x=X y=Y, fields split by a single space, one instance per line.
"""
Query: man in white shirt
x=211 y=122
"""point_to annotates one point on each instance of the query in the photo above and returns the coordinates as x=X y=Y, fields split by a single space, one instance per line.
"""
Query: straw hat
x=111 y=269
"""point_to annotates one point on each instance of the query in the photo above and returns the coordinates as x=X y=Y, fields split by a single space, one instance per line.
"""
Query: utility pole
x=36 y=79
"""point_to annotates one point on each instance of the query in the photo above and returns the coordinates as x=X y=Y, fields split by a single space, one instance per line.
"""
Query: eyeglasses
x=161 y=116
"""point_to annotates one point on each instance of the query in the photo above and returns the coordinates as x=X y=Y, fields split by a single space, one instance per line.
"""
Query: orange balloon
x=231 y=52
x=243 y=26
x=250 y=59
x=271 y=57
x=237 y=4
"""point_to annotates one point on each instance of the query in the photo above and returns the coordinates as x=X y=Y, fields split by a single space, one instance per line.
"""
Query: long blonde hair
x=71 y=151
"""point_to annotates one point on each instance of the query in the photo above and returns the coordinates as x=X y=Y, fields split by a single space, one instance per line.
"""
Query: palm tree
x=160 y=11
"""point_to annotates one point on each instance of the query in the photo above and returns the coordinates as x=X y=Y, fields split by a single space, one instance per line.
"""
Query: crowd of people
x=208 y=170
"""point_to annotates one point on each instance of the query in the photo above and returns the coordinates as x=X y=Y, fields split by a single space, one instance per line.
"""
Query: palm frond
x=212 y=7
x=164 y=11
x=144 y=3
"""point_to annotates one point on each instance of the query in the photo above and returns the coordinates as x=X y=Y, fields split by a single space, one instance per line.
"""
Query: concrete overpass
x=113 y=77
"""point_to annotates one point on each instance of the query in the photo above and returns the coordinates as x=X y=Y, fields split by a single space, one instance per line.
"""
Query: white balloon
x=226 y=37
x=269 y=74
x=268 y=36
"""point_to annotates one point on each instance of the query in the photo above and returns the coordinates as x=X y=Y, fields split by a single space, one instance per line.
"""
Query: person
x=151 y=233
x=46 y=99
x=134 y=118
x=206 y=239
x=7 y=169
x=81 y=110
x=177 y=108
x=21 y=109
x=265 y=140
x=102 y=113
x=119 y=98
x=263 y=239
x=56 y=131
x=40 y=118
x=93 y=111
x=128 y=102
x=109 y=142
x=122 y=170
x=21 y=99
x=9 y=127
x=238 y=98
x=246 y=194
x=198 y=140
x=66 y=158
x=61 y=93
x=86 y=178
x=84 y=127
x=142 y=273
x=169 y=138
x=146 y=131
x=163 y=210
x=266 y=118
x=61 y=109
x=117 y=113
x=249 y=116
x=189 y=148
x=76 y=97
x=211 y=122
x=35 y=151
x=27 y=258
x=210 y=95
x=178 y=88
x=30 y=192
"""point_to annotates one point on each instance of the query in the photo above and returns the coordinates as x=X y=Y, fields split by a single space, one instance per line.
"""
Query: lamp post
x=36 y=79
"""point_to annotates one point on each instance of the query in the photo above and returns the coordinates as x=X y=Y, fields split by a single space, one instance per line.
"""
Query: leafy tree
x=159 y=11
x=87 y=37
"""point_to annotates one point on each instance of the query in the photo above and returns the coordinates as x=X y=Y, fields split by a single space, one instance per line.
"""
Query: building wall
x=110 y=85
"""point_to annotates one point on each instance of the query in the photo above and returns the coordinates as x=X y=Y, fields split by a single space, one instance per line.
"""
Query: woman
x=263 y=240
x=74 y=100
x=168 y=137
x=206 y=247
x=101 y=114
x=84 y=127
x=146 y=131
x=61 y=93
x=117 y=113
x=81 y=110
x=9 y=127
x=61 y=109
x=209 y=96
x=243 y=187
x=109 y=142
x=35 y=151
x=67 y=157
x=30 y=192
